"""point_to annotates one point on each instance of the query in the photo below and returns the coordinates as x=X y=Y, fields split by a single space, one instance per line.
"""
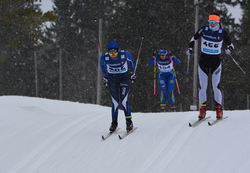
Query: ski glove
x=132 y=77
x=189 y=51
x=229 y=49
x=105 y=81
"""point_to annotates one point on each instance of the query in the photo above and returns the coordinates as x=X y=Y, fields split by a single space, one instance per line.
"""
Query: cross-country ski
x=127 y=133
x=211 y=123
x=197 y=122
x=104 y=137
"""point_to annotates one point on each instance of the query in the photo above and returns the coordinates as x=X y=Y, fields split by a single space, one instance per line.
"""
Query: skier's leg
x=203 y=77
x=217 y=93
x=114 y=92
x=163 y=87
x=171 y=85
x=124 y=90
x=171 y=97
x=215 y=83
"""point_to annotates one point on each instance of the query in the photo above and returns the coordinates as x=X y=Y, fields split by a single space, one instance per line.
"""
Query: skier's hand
x=105 y=81
x=132 y=77
x=189 y=51
x=229 y=49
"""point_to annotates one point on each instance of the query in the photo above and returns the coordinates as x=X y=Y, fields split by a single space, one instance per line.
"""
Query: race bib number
x=209 y=47
x=116 y=70
x=165 y=68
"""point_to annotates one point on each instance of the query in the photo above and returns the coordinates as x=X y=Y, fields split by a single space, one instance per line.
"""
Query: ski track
x=155 y=160
x=170 y=152
x=42 y=152
x=173 y=148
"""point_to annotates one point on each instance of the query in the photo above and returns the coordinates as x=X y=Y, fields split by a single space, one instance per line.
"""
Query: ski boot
x=129 y=124
x=202 y=112
x=219 y=112
x=172 y=108
x=113 y=126
x=163 y=107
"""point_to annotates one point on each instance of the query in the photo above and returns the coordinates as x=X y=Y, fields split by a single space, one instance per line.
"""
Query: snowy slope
x=48 y=136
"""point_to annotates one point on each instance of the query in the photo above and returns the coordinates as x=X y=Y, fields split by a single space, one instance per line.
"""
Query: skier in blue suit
x=116 y=65
x=166 y=76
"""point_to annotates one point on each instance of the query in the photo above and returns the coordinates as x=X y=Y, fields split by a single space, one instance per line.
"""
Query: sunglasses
x=163 y=54
x=113 y=53
x=212 y=22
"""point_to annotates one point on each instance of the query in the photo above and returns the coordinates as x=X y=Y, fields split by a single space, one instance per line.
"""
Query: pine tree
x=21 y=31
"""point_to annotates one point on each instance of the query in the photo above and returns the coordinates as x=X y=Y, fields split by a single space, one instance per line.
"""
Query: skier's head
x=113 y=48
x=162 y=53
x=113 y=45
x=214 y=20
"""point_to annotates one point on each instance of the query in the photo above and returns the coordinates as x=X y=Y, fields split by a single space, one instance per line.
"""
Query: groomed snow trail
x=42 y=135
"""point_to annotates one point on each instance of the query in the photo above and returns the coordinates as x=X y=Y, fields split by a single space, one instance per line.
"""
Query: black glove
x=189 y=51
x=105 y=81
x=132 y=77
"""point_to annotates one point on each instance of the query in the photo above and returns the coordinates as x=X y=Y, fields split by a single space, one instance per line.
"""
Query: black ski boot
x=113 y=126
x=129 y=124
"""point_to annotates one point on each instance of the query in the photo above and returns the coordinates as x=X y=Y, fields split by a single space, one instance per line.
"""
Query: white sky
x=236 y=12
x=46 y=5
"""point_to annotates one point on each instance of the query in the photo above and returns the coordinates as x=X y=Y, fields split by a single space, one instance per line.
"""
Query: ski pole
x=138 y=55
x=188 y=65
x=237 y=64
x=154 y=75
x=177 y=85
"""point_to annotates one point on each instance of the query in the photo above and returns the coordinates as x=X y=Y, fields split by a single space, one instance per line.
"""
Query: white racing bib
x=210 y=47
x=117 y=69
x=165 y=68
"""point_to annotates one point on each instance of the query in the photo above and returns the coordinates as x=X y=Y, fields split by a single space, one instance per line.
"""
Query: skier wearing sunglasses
x=212 y=38
x=117 y=68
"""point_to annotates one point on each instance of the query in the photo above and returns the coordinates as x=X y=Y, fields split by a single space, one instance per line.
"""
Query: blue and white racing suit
x=116 y=70
x=166 y=77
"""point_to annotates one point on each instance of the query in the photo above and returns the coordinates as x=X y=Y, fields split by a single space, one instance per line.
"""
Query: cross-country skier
x=116 y=76
x=212 y=37
x=166 y=77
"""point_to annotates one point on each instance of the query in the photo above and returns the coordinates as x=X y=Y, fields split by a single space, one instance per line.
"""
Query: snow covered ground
x=49 y=136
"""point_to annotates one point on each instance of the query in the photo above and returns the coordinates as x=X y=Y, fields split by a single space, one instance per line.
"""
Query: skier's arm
x=131 y=61
x=228 y=41
x=103 y=66
x=151 y=61
x=196 y=36
x=176 y=60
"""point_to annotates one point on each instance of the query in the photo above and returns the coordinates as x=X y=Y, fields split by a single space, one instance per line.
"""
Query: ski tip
x=103 y=138
x=119 y=137
x=209 y=123
x=190 y=125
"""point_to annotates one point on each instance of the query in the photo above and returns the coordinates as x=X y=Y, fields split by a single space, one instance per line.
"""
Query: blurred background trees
x=64 y=52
